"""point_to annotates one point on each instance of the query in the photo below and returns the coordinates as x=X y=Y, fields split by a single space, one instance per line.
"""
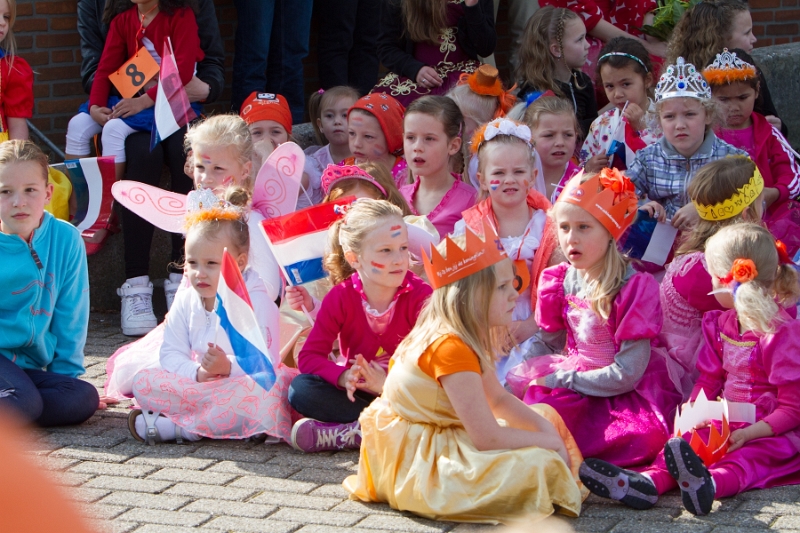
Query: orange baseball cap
x=267 y=106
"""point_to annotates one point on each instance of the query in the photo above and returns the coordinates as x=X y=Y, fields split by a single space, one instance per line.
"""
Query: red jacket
x=775 y=159
x=122 y=42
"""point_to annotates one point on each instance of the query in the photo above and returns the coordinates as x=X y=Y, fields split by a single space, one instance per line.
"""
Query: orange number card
x=137 y=71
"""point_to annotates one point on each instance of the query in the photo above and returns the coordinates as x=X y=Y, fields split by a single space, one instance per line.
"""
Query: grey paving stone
x=49 y=462
x=787 y=522
x=112 y=469
x=316 y=460
x=733 y=518
x=352 y=506
x=198 y=490
x=593 y=525
x=228 y=508
x=334 y=490
x=646 y=526
x=114 y=526
x=256 y=455
x=68 y=479
x=475 y=528
x=777 y=508
x=151 y=528
x=192 y=476
x=85 y=494
x=93 y=454
x=661 y=514
x=250 y=525
x=320 y=475
x=128 y=484
x=282 y=499
x=316 y=528
x=163 y=502
x=188 y=463
x=134 y=447
x=253 y=469
x=273 y=484
x=779 y=494
x=308 y=516
x=170 y=518
x=101 y=511
x=736 y=529
x=404 y=523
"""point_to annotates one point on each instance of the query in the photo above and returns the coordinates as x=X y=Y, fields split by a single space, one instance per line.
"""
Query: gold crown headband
x=734 y=205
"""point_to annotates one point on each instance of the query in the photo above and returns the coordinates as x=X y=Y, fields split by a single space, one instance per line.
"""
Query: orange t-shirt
x=448 y=355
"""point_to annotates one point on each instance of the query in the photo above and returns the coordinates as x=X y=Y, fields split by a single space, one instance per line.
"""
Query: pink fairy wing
x=163 y=209
x=278 y=181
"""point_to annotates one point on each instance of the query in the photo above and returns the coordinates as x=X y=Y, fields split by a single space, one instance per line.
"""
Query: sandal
x=151 y=431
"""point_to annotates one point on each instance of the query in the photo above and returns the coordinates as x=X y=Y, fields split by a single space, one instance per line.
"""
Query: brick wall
x=47 y=38
x=775 y=21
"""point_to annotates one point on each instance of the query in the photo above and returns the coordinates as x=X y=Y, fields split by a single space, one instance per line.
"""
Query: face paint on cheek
x=494 y=184
x=377 y=266
x=227 y=181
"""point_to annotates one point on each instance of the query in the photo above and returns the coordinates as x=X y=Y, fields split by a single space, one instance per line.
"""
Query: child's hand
x=105 y=401
x=758 y=430
x=347 y=381
x=128 y=107
x=372 y=376
x=634 y=114
x=203 y=375
x=215 y=361
x=262 y=149
x=297 y=297
x=100 y=114
x=655 y=210
x=596 y=163
x=523 y=330
x=686 y=218
x=429 y=78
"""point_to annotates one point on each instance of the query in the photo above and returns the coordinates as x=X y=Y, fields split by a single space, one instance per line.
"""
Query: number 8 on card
x=135 y=73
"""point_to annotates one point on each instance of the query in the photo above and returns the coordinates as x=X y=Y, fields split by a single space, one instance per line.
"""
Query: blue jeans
x=45 y=398
x=313 y=397
x=271 y=43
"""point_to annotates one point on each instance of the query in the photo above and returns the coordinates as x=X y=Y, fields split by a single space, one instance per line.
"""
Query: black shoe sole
x=615 y=483
x=694 y=479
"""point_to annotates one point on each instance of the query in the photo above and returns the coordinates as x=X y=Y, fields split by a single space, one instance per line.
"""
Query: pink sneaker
x=309 y=435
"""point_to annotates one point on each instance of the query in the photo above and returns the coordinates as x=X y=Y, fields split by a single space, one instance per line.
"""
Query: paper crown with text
x=738 y=202
x=460 y=263
x=682 y=80
x=608 y=196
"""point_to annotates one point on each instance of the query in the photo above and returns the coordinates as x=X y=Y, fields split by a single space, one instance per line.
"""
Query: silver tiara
x=728 y=61
x=202 y=199
x=682 y=80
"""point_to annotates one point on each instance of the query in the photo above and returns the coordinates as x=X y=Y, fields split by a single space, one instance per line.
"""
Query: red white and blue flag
x=172 y=110
x=91 y=178
x=298 y=239
x=238 y=320
x=624 y=145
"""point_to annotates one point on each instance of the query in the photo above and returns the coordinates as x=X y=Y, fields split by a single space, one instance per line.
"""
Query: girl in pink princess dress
x=686 y=285
x=749 y=356
x=200 y=389
x=611 y=385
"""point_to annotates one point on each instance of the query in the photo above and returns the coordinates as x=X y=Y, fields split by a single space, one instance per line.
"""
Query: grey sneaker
x=310 y=436
x=137 y=317
x=170 y=288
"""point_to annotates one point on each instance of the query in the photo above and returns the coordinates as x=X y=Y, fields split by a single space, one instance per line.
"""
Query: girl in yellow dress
x=431 y=444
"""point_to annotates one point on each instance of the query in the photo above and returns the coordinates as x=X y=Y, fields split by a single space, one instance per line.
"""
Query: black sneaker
x=626 y=486
x=694 y=479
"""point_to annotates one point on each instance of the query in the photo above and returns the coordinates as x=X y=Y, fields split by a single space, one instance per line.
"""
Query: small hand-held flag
x=624 y=144
x=238 y=320
x=173 y=110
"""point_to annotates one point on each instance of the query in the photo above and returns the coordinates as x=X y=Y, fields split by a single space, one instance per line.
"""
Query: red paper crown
x=608 y=196
x=460 y=263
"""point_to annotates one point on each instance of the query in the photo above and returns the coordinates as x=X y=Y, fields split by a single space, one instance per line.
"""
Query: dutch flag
x=237 y=319
x=172 y=109
x=624 y=145
x=91 y=178
x=298 y=239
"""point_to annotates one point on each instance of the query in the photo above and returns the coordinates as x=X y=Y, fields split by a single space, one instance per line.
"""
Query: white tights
x=82 y=128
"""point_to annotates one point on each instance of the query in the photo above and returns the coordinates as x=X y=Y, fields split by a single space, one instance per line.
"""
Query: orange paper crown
x=461 y=263
x=690 y=414
x=608 y=196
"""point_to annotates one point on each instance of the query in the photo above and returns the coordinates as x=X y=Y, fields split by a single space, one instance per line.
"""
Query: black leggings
x=146 y=166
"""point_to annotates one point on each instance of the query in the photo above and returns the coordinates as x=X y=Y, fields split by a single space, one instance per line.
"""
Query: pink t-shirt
x=744 y=139
x=445 y=215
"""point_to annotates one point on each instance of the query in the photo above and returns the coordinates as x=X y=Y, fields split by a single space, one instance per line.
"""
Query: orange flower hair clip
x=742 y=271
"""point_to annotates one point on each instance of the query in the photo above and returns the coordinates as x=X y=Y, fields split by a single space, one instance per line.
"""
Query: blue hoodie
x=44 y=298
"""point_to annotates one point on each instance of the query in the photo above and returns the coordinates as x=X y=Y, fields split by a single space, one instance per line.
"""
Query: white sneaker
x=137 y=309
x=171 y=287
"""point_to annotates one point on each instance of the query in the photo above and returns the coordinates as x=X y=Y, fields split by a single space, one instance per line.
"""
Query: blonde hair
x=551 y=105
x=211 y=223
x=9 y=43
x=19 y=151
x=537 y=66
x=754 y=301
x=710 y=106
x=498 y=140
x=479 y=107
x=460 y=308
x=703 y=31
x=321 y=100
x=348 y=233
x=223 y=131
x=602 y=291
x=714 y=183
